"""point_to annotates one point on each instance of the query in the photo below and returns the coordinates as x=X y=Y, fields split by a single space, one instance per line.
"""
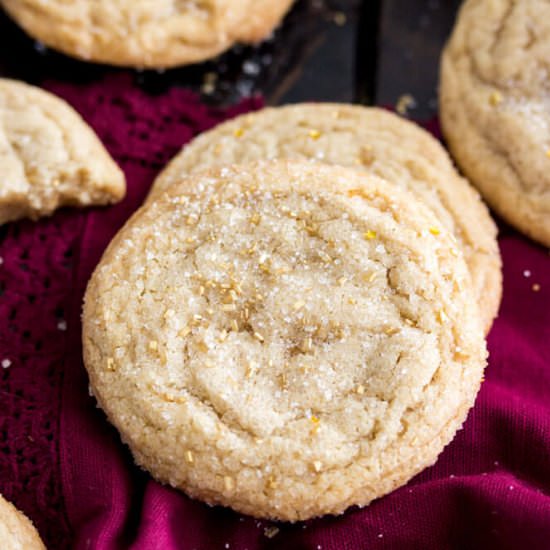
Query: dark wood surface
x=365 y=51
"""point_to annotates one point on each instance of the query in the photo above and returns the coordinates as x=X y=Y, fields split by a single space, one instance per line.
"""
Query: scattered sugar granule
x=6 y=363
x=62 y=325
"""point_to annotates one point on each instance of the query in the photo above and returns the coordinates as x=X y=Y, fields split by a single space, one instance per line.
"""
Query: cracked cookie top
x=50 y=156
x=146 y=33
x=287 y=339
x=369 y=139
x=495 y=106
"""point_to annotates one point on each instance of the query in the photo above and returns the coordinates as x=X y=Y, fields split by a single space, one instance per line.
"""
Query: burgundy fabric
x=63 y=464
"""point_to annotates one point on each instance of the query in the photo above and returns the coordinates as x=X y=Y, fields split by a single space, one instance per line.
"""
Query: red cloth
x=63 y=464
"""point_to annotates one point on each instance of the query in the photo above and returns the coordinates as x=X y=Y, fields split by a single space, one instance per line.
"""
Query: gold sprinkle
x=223 y=336
x=228 y=483
x=340 y=18
x=434 y=231
x=314 y=419
x=366 y=156
x=190 y=240
x=235 y=325
x=201 y=290
x=314 y=134
x=352 y=301
x=358 y=193
x=271 y=531
x=259 y=337
x=390 y=331
x=210 y=311
x=272 y=484
x=264 y=267
x=197 y=317
x=153 y=345
x=495 y=98
x=442 y=316
x=255 y=219
x=360 y=389
x=370 y=235
x=259 y=297
x=298 y=305
x=201 y=346
x=184 y=332
x=189 y=457
x=307 y=344
x=229 y=307
x=246 y=314
x=342 y=281
x=183 y=199
x=110 y=364
x=191 y=220
x=169 y=313
x=536 y=287
x=239 y=132
x=317 y=465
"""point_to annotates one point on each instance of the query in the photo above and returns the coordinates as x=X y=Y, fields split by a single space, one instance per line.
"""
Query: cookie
x=370 y=139
x=50 y=156
x=286 y=338
x=495 y=107
x=146 y=34
x=16 y=530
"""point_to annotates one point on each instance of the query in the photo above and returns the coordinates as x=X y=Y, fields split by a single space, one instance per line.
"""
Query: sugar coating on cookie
x=50 y=156
x=145 y=33
x=369 y=139
x=495 y=107
x=16 y=530
x=287 y=339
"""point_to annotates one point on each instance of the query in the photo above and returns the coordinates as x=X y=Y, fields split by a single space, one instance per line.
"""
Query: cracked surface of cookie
x=288 y=339
x=495 y=107
x=50 y=156
x=16 y=530
x=370 y=139
x=145 y=33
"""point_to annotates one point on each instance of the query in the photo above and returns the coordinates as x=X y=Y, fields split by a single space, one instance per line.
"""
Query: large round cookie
x=288 y=339
x=16 y=530
x=50 y=156
x=373 y=140
x=495 y=107
x=146 y=33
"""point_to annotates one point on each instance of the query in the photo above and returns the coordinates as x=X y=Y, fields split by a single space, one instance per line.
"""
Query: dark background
x=365 y=51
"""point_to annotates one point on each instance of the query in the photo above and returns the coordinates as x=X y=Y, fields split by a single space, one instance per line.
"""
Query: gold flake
x=239 y=132
x=110 y=364
x=340 y=18
x=201 y=290
x=314 y=419
x=370 y=235
x=434 y=231
x=210 y=311
x=169 y=313
x=390 y=331
x=360 y=389
x=495 y=98
x=317 y=465
x=185 y=331
x=190 y=240
x=442 y=316
x=202 y=347
x=298 y=305
x=228 y=483
x=191 y=220
x=223 y=336
x=259 y=337
x=255 y=219
x=314 y=134
x=342 y=281
x=307 y=344
x=229 y=307
x=352 y=301
x=259 y=297
x=189 y=457
x=183 y=199
x=153 y=345
x=235 y=325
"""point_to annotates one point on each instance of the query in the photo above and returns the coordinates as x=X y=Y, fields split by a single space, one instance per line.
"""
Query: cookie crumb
x=404 y=103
